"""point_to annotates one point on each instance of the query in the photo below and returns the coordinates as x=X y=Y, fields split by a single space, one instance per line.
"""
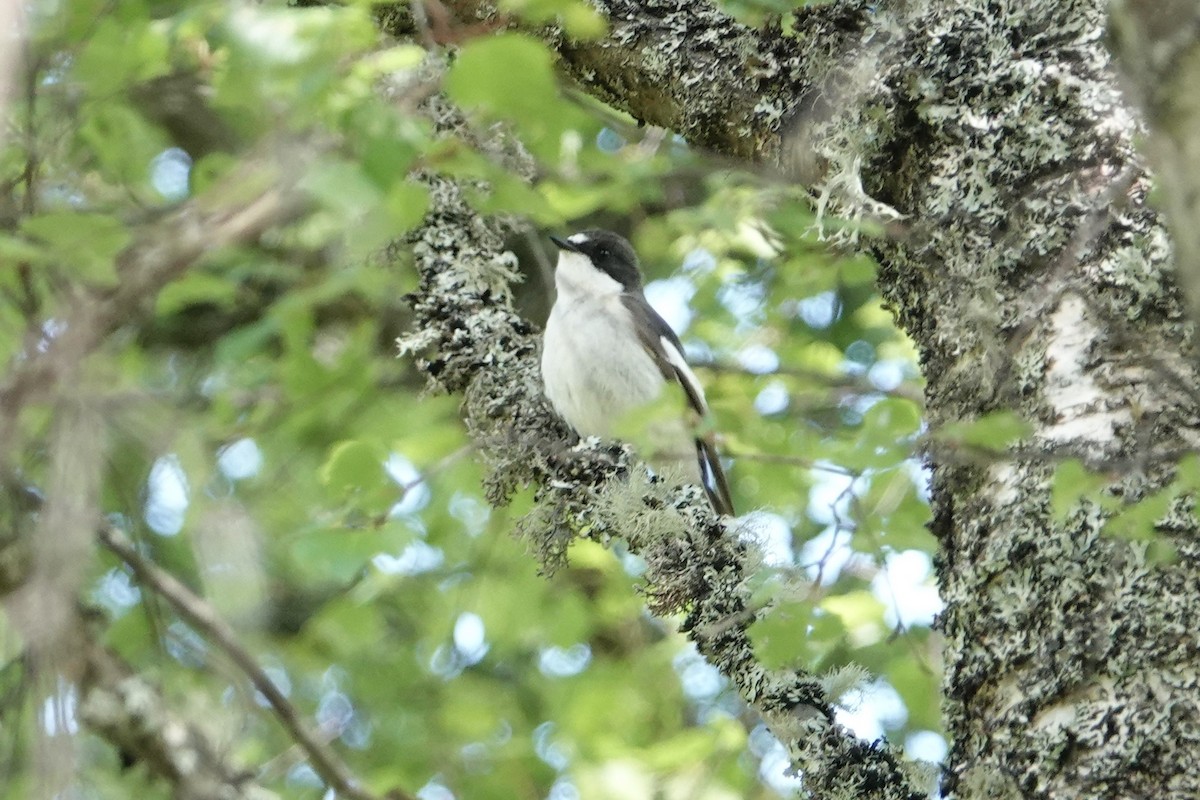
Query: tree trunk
x=1034 y=277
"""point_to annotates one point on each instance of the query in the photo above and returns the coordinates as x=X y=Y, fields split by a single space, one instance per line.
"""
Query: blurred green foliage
x=263 y=443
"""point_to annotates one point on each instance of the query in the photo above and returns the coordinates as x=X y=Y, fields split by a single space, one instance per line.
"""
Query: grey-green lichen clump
x=683 y=65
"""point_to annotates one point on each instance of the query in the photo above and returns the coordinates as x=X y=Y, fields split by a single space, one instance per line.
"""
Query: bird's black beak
x=563 y=244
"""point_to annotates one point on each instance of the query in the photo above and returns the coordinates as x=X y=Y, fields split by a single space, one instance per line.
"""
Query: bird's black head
x=611 y=253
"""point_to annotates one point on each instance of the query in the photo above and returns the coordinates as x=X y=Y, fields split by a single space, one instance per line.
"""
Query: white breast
x=594 y=368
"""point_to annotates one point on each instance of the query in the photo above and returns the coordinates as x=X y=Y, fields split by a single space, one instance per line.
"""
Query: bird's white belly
x=594 y=368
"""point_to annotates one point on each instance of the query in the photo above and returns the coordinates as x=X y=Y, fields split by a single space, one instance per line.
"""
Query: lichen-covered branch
x=473 y=342
x=685 y=66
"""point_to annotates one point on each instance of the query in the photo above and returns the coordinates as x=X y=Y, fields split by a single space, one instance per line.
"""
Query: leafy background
x=263 y=443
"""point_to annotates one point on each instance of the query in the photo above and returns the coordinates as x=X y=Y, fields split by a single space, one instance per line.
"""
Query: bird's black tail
x=713 y=477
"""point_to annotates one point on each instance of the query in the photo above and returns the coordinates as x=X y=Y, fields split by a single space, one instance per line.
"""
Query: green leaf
x=196 y=288
x=579 y=20
x=210 y=170
x=857 y=271
x=1071 y=483
x=573 y=200
x=684 y=749
x=339 y=555
x=918 y=686
x=387 y=160
x=826 y=638
x=386 y=62
x=85 y=243
x=511 y=77
x=352 y=465
x=341 y=187
x=14 y=248
x=1161 y=552
x=1139 y=521
x=1136 y=522
x=122 y=141
x=1187 y=473
x=408 y=203
x=510 y=74
x=891 y=419
x=894 y=514
x=780 y=636
x=118 y=53
x=860 y=612
x=343 y=625
x=885 y=437
x=994 y=431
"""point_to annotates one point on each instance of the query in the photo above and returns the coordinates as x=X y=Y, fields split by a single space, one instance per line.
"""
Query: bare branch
x=335 y=772
x=124 y=708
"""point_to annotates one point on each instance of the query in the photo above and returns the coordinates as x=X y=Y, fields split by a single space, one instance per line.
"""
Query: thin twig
x=421 y=19
x=852 y=384
x=794 y=461
x=201 y=615
x=123 y=707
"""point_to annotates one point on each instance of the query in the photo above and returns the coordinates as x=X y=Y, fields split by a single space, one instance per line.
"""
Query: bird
x=607 y=353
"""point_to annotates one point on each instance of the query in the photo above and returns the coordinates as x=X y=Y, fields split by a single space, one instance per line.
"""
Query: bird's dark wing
x=661 y=343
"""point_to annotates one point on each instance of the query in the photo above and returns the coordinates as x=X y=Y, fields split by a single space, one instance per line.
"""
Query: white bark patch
x=1080 y=404
x=1003 y=482
x=1055 y=718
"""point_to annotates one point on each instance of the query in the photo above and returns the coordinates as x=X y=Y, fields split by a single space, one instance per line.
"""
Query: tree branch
x=124 y=708
x=685 y=66
x=204 y=618
x=239 y=209
x=473 y=342
x=995 y=129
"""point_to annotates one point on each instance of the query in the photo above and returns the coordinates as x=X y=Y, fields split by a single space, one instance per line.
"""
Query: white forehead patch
x=578 y=238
